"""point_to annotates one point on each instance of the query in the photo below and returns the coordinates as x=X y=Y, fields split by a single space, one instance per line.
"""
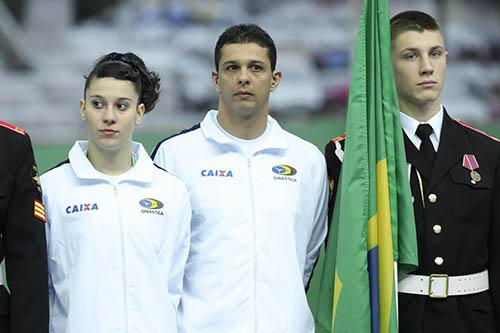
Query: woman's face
x=111 y=110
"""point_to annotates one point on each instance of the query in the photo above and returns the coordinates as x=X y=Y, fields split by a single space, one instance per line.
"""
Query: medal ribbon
x=470 y=162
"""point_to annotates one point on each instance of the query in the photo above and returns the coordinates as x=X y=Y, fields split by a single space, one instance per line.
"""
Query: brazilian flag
x=354 y=286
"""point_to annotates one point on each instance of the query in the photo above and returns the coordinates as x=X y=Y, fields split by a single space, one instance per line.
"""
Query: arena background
x=47 y=46
x=317 y=131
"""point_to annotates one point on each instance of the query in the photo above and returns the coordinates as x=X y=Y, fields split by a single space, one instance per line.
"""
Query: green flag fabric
x=353 y=288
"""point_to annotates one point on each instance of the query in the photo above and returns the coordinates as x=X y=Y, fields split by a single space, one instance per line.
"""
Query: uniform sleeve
x=25 y=249
x=46 y=202
x=160 y=157
x=175 y=280
x=494 y=251
x=320 y=218
x=333 y=164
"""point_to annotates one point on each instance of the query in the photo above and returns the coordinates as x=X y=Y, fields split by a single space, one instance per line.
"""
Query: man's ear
x=275 y=81
x=215 y=80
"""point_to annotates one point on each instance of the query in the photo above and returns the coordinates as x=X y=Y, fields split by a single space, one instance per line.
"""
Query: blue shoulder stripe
x=58 y=165
x=184 y=131
x=159 y=167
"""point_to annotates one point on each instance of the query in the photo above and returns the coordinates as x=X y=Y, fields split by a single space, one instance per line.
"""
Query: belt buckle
x=434 y=277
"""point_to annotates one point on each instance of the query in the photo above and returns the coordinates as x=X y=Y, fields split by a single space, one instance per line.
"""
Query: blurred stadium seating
x=59 y=40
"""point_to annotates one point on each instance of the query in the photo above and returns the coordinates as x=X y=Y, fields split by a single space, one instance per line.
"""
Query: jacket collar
x=276 y=138
x=142 y=171
x=451 y=148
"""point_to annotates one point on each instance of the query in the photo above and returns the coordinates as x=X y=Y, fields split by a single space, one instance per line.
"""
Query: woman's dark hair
x=129 y=67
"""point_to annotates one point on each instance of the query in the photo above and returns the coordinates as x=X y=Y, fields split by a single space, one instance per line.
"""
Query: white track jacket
x=117 y=246
x=256 y=229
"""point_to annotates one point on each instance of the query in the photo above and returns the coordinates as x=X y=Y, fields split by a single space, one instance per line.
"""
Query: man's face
x=244 y=79
x=419 y=63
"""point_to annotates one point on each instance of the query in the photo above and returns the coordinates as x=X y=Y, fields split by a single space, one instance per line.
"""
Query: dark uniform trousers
x=22 y=242
x=458 y=220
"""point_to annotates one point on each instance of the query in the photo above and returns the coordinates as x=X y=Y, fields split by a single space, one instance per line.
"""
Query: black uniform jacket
x=22 y=242
x=468 y=218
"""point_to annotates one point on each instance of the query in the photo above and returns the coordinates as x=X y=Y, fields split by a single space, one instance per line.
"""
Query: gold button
x=437 y=229
x=438 y=261
x=432 y=198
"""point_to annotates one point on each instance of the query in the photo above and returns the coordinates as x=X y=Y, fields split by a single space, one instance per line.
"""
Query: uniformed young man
x=259 y=197
x=454 y=173
x=23 y=276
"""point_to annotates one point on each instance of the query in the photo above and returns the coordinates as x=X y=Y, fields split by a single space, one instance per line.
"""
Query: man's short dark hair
x=412 y=20
x=245 y=34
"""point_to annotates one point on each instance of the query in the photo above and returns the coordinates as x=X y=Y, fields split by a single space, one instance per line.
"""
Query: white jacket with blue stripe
x=257 y=226
x=117 y=246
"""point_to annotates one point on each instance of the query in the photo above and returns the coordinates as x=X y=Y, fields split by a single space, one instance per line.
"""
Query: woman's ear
x=82 y=109
x=139 y=113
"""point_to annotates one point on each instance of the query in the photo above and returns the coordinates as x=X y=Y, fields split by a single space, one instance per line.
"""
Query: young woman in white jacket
x=117 y=225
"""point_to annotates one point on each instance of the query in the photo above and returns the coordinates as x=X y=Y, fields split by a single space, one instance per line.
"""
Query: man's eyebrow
x=409 y=49
x=416 y=49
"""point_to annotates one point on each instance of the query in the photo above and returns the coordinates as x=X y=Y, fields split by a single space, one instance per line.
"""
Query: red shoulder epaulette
x=12 y=127
x=476 y=130
x=338 y=138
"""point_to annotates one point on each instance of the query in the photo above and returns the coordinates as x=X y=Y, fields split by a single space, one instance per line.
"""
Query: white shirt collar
x=410 y=125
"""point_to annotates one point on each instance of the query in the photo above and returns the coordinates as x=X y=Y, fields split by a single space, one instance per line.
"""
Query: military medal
x=470 y=163
x=474 y=176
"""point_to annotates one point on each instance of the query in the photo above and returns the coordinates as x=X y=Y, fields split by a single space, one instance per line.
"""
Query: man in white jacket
x=258 y=195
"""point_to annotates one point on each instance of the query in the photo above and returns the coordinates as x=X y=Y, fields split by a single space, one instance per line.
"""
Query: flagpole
x=396 y=280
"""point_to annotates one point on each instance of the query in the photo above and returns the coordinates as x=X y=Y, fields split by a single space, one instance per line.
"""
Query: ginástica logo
x=151 y=206
x=284 y=172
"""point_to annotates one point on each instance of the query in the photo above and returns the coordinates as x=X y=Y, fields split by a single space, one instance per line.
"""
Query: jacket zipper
x=254 y=233
x=122 y=236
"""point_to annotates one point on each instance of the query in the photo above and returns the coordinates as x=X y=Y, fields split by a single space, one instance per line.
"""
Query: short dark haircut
x=245 y=34
x=129 y=67
x=412 y=20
